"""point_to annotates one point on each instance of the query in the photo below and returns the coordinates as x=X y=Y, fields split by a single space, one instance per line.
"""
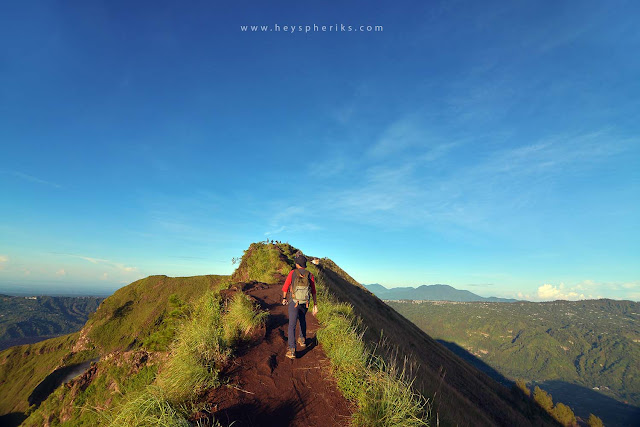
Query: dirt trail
x=268 y=389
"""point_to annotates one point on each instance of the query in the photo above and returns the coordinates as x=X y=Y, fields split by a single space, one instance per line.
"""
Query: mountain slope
x=259 y=382
x=134 y=314
x=464 y=395
x=135 y=331
x=429 y=293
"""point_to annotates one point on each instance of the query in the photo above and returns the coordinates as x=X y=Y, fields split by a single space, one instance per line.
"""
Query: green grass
x=262 y=262
x=114 y=382
x=200 y=335
x=133 y=313
x=163 y=391
x=137 y=315
x=22 y=368
x=160 y=339
x=147 y=408
x=383 y=392
x=198 y=352
x=241 y=319
x=203 y=344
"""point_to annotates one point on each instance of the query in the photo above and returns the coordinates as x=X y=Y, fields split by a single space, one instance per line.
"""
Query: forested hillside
x=26 y=320
x=587 y=347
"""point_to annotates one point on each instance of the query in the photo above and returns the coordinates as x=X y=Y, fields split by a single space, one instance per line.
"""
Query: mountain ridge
x=133 y=329
x=436 y=292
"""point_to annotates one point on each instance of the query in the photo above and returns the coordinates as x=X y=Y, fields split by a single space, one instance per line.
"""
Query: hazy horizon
x=101 y=290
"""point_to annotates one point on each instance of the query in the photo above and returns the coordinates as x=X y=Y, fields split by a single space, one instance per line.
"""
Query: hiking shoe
x=291 y=353
x=302 y=342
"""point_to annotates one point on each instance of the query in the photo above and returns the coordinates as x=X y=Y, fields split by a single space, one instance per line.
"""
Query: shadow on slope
x=585 y=401
x=55 y=379
x=476 y=362
x=12 y=419
x=464 y=395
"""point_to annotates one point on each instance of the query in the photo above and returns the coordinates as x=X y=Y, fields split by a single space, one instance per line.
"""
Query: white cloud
x=104 y=276
x=551 y=292
x=3 y=260
x=126 y=269
x=61 y=272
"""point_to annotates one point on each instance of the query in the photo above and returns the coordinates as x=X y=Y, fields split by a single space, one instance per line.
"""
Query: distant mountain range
x=430 y=293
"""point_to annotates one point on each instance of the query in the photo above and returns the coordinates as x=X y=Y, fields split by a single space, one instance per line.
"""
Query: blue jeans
x=295 y=314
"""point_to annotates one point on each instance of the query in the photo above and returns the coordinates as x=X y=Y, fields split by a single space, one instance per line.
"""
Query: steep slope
x=463 y=395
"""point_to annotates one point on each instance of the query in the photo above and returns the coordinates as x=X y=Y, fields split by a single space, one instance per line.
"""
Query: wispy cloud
x=31 y=178
x=91 y=260
x=61 y=272
x=290 y=219
x=4 y=260
x=116 y=265
x=410 y=179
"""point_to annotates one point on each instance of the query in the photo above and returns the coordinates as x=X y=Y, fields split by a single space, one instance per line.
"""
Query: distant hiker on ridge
x=303 y=286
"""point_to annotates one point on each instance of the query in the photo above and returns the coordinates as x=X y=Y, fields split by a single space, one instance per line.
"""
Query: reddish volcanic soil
x=267 y=389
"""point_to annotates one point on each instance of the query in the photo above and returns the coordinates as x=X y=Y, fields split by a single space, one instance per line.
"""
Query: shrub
x=564 y=414
x=522 y=385
x=161 y=338
x=543 y=399
x=594 y=421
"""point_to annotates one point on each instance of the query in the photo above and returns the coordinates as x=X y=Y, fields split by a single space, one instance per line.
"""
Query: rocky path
x=267 y=389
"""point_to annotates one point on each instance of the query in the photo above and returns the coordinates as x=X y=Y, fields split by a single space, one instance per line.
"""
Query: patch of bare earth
x=267 y=389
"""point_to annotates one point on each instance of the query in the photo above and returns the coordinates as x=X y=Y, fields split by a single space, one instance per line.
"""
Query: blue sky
x=493 y=147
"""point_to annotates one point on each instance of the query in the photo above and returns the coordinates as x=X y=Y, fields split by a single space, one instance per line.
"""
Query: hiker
x=303 y=287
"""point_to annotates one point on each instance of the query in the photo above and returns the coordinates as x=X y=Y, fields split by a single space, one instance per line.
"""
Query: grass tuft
x=241 y=319
x=197 y=352
x=146 y=408
x=203 y=345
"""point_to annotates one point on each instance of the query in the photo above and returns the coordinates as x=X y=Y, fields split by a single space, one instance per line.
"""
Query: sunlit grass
x=383 y=392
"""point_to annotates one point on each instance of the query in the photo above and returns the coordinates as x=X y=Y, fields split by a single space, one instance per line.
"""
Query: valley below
x=28 y=320
x=585 y=353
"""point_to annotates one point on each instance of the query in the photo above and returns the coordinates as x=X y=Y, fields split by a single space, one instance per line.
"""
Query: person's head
x=301 y=261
